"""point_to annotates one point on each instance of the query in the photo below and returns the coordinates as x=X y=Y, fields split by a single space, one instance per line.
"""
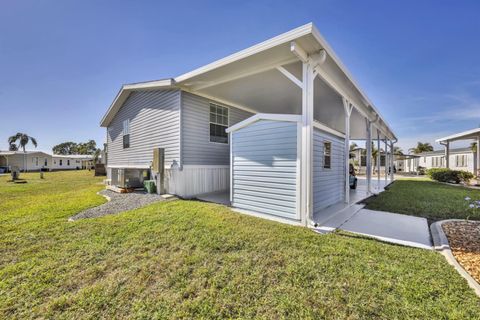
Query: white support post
x=387 y=163
x=392 y=161
x=368 y=158
x=447 y=154
x=307 y=144
x=378 y=160
x=477 y=172
x=348 y=111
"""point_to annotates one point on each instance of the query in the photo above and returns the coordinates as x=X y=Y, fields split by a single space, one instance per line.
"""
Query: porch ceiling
x=271 y=91
x=250 y=79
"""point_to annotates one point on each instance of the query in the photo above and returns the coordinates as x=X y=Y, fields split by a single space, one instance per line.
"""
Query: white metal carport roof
x=254 y=79
x=465 y=135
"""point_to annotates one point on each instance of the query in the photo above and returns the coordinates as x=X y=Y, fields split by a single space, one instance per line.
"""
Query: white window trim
x=126 y=125
x=226 y=126
x=264 y=116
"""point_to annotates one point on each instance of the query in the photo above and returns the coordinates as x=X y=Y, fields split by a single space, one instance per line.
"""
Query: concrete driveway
x=390 y=227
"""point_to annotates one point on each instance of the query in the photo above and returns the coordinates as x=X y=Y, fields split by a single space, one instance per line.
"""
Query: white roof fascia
x=264 y=116
x=149 y=84
x=458 y=136
x=270 y=43
x=324 y=127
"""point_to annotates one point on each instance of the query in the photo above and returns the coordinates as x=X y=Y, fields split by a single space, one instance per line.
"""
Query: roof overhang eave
x=366 y=108
x=466 y=135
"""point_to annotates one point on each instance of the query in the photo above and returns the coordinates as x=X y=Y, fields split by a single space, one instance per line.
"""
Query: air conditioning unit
x=130 y=178
x=121 y=182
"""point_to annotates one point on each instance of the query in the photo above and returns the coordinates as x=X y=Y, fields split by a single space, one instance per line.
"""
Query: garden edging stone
x=441 y=244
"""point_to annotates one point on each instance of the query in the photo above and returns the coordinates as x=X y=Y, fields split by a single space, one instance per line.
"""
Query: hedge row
x=451 y=176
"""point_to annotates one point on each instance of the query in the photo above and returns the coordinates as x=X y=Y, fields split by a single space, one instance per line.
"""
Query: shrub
x=421 y=170
x=466 y=176
x=451 y=176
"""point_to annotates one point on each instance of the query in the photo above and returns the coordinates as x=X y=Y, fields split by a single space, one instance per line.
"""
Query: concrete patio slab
x=220 y=197
x=390 y=227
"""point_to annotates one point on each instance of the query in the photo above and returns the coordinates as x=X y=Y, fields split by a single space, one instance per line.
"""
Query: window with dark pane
x=327 y=154
x=218 y=123
x=126 y=133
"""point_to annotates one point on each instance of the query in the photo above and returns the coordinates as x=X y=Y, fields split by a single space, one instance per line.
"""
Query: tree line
x=20 y=140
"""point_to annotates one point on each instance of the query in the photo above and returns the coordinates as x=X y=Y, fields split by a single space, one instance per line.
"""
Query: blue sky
x=62 y=62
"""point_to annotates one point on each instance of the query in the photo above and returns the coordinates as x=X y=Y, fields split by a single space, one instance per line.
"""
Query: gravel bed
x=464 y=239
x=119 y=202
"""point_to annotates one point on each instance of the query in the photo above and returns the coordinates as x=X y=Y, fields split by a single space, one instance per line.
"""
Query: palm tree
x=421 y=147
x=12 y=147
x=23 y=139
x=397 y=151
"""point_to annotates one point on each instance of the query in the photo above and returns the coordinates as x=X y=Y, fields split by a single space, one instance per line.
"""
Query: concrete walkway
x=390 y=227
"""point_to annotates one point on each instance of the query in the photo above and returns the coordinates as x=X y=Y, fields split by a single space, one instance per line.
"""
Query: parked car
x=353 y=177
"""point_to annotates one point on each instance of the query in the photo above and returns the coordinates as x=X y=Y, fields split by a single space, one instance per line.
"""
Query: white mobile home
x=270 y=124
x=469 y=135
x=71 y=162
x=459 y=159
x=25 y=161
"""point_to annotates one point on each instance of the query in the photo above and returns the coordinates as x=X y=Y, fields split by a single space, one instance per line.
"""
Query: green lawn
x=186 y=259
x=427 y=198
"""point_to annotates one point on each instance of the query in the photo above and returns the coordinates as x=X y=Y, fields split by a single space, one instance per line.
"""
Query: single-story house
x=472 y=135
x=270 y=125
x=460 y=159
x=72 y=161
x=25 y=161
x=39 y=160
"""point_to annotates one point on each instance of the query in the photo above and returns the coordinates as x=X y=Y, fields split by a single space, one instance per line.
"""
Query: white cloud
x=460 y=107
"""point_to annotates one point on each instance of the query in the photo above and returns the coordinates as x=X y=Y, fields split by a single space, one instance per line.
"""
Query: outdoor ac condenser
x=121 y=182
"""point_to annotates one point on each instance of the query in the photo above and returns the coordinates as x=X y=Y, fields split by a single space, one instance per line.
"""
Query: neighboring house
x=469 y=135
x=72 y=161
x=270 y=124
x=38 y=160
x=29 y=160
x=359 y=159
x=460 y=159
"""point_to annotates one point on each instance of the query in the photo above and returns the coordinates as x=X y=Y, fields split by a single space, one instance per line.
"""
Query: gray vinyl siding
x=154 y=123
x=196 y=146
x=265 y=168
x=328 y=183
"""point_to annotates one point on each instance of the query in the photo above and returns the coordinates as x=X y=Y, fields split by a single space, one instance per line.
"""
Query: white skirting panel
x=195 y=180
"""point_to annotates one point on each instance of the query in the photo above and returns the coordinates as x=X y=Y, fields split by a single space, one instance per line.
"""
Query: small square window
x=327 y=155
